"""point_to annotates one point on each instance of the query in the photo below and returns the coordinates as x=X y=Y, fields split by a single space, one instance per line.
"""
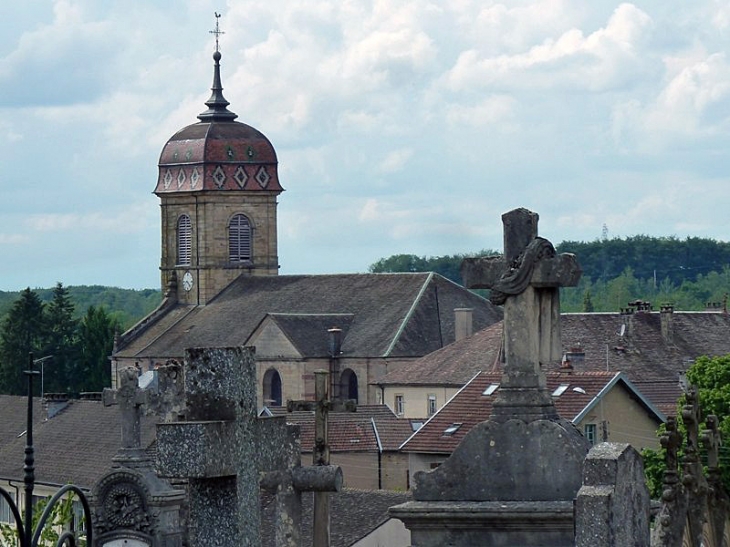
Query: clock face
x=187 y=281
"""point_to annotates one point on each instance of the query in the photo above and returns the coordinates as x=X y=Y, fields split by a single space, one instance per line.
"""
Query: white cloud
x=395 y=161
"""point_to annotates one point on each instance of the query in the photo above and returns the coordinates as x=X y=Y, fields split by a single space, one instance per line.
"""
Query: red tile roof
x=471 y=406
x=370 y=429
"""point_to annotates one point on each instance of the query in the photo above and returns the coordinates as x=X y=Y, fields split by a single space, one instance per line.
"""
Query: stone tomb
x=513 y=479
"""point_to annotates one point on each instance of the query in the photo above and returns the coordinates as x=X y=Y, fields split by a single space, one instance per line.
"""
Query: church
x=218 y=186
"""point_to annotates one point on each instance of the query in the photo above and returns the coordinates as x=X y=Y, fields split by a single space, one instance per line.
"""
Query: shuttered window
x=239 y=239
x=184 y=240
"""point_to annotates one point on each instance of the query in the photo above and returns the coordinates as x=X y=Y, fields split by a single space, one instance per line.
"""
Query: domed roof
x=218 y=153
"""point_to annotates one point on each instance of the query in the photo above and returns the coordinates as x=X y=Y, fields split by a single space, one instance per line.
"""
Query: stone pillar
x=612 y=507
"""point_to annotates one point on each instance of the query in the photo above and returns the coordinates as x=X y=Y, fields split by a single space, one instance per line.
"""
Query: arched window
x=184 y=239
x=272 y=388
x=239 y=239
x=348 y=385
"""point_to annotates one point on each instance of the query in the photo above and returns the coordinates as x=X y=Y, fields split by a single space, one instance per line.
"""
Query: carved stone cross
x=224 y=451
x=130 y=398
x=527 y=280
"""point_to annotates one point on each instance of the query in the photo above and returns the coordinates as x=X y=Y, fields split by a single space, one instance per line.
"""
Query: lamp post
x=40 y=362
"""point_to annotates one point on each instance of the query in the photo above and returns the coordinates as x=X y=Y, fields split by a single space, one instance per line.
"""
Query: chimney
x=463 y=324
x=55 y=403
x=666 y=313
x=575 y=357
x=335 y=342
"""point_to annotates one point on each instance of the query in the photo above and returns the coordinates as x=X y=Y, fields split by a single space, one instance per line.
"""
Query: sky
x=400 y=126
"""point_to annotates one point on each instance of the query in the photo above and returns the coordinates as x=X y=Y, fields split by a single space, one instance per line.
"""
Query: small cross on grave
x=321 y=450
x=130 y=399
x=225 y=452
x=527 y=280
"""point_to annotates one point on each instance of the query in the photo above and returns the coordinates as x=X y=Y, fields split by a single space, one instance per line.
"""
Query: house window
x=184 y=240
x=431 y=404
x=5 y=514
x=239 y=239
x=399 y=405
x=589 y=430
x=78 y=524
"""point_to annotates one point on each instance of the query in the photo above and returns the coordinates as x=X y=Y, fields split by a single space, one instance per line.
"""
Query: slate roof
x=353 y=515
x=372 y=428
x=394 y=315
x=75 y=446
x=642 y=352
x=471 y=406
x=307 y=331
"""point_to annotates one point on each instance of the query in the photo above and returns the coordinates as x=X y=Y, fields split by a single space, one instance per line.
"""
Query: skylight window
x=560 y=390
x=490 y=389
x=453 y=428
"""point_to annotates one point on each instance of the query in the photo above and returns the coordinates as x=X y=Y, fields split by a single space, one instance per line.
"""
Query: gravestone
x=226 y=452
x=131 y=505
x=612 y=507
x=513 y=478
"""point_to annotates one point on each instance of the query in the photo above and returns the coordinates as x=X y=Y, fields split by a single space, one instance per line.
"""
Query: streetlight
x=40 y=362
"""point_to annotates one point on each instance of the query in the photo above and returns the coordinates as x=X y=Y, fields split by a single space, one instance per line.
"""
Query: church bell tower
x=218 y=186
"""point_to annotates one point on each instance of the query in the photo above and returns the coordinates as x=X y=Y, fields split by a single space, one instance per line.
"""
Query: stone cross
x=130 y=399
x=321 y=451
x=527 y=280
x=223 y=449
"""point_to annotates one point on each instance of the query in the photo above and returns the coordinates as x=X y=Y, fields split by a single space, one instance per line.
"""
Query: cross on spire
x=217 y=30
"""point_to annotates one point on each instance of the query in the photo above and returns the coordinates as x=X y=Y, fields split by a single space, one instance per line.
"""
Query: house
x=652 y=348
x=365 y=443
x=218 y=185
x=419 y=388
x=605 y=406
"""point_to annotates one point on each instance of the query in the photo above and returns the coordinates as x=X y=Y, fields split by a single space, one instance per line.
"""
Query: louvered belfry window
x=239 y=239
x=184 y=240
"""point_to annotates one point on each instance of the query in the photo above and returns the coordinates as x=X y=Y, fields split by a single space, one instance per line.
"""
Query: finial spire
x=217 y=30
x=217 y=104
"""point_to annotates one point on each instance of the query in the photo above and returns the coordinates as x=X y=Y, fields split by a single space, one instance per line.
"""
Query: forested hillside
x=687 y=273
x=125 y=305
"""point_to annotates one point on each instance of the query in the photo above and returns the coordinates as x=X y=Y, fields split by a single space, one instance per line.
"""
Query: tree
x=96 y=340
x=61 y=342
x=447 y=265
x=587 y=302
x=21 y=332
x=711 y=377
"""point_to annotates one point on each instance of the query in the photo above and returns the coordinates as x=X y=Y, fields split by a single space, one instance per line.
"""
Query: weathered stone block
x=510 y=461
x=612 y=507
x=196 y=449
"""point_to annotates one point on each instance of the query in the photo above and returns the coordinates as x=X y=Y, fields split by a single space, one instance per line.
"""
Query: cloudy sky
x=401 y=126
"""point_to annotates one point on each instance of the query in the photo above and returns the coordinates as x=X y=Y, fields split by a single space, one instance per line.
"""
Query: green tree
x=711 y=377
x=96 y=340
x=61 y=342
x=587 y=302
x=22 y=331
x=447 y=265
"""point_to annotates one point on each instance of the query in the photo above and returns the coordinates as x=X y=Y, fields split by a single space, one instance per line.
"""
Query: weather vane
x=217 y=30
